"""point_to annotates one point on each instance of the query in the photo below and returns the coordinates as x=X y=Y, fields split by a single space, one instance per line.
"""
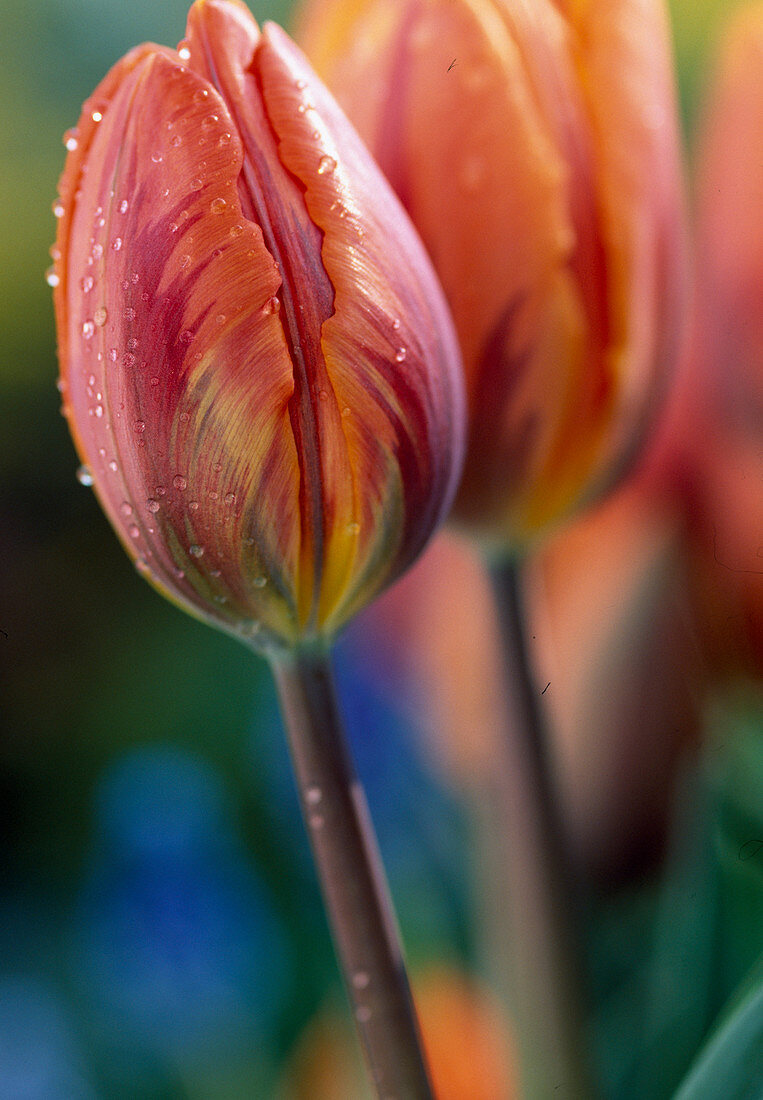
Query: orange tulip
x=256 y=360
x=535 y=147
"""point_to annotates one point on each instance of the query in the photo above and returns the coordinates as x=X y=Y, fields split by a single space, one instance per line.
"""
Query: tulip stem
x=352 y=878
x=541 y=905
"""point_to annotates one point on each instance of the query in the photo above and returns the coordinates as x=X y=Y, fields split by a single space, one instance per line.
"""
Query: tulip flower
x=535 y=147
x=263 y=383
x=257 y=365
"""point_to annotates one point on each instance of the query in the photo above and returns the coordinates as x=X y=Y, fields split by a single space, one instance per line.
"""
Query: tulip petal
x=200 y=418
x=390 y=357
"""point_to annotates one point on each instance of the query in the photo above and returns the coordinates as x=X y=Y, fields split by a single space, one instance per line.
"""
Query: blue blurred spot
x=178 y=945
x=39 y=1058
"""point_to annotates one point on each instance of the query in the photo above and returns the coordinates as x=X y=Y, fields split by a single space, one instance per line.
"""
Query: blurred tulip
x=723 y=429
x=464 y=1035
x=258 y=368
x=535 y=147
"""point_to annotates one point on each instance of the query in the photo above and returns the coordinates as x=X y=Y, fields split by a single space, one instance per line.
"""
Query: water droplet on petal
x=193 y=505
x=200 y=95
x=196 y=183
x=116 y=244
x=123 y=206
x=196 y=551
x=84 y=477
x=316 y=821
x=51 y=277
x=86 y=284
x=157 y=158
x=70 y=140
x=259 y=582
x=180 y=482
x=134 y=531
x=361 y=979
x=96 y=116
x=230 y=498
x=217 y=206
x=272 y=305
x=113 y=466
x=313 y=795
x=58 y=209
x=99 y=317
x=125 y=508
x=152 y=505
x=139 y=426
x=363 y=1014
x=326 y=166
x=400 y=355
x=184 y=52
x=353 y=528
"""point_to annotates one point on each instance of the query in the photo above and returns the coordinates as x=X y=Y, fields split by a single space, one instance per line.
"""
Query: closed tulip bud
x=535 y=147
x=256 y=361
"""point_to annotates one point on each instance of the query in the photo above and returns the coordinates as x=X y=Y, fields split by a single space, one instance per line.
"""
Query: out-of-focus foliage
x=161 y=934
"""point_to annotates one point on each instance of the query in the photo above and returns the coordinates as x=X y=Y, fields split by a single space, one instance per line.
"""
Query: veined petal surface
x=269 y=465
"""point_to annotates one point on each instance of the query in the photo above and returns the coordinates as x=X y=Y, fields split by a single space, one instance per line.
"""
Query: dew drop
x=213 y=494
x=326 y=166
x=209 y=122
x=180 y=482
x=186 y=336
x=70 y=140
x=134 y=531
x=98 y=411
x=123 y=206
x=86 y=284
x=58 y=209
x=316 y=821
x=153 y=381
x=400 y=355
x=125 y=508
x=363 y=1014
x=96 y=116
x=301 y=85
x=97 y=251
x=179 y=573
x=113 y=466
x=160 y=491
x=353 y=528
x=113 y=355
x=152 y=505
x=236 y=230
x=51 y=278
x=196 y=183
x=84 y=477
x=396 y=324
x=272 y=305
x=361 y=979
x=116 y=244
x=259 y=582
x=230 y=498
x=139 y=426
x=128 y=360
x=184 y=52
x=176 y=141
x=99 y=317
x=346 y=410
x=196 y=551
x=129 y=314
x=224 y=139
x=313 y=795
x=200 y=95
x=184 y=262
x=156 y=158
x=217 y=206
x=193 y=505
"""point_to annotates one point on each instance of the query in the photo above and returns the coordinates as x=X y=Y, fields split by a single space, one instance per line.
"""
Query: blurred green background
x=160 y=929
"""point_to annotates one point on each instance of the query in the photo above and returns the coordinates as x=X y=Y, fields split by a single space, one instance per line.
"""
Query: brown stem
x=352 y=878
x=541 y=904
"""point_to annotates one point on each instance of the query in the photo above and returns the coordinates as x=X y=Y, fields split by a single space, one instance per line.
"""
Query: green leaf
x=730 y=1065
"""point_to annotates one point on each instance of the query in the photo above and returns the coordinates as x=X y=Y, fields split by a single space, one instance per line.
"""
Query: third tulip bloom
x=536 y=148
